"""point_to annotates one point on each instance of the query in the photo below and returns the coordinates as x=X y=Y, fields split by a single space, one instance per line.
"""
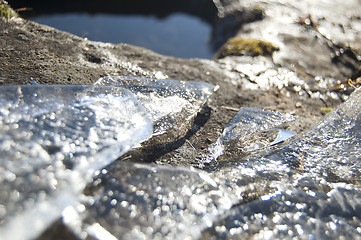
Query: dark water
x=179 y=34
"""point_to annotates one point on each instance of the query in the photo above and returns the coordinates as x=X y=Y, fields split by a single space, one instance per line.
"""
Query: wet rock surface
x=305 y=187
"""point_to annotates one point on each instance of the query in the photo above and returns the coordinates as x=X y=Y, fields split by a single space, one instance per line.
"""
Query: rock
x=312 y=36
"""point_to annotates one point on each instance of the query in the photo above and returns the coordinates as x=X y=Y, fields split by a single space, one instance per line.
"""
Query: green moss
x=251 y=47
x=6 y=11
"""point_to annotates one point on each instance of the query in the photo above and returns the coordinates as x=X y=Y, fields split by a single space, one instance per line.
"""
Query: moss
x=6 y=11
x=251 y=47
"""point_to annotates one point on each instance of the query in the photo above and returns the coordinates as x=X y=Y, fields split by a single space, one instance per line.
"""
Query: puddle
x=180 y=28
x=178 y=35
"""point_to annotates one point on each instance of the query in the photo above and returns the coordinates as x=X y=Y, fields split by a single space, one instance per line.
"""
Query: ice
x=172 y=104
x=254 y=197
x=55 y=138
x=332 y=149
x=309 y=188
x=52 y=141
x=252 y=129
x=294 y=214
x=137 y=201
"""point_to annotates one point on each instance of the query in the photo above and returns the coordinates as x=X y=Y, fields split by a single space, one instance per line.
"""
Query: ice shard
x=294 y=214
x=309 y=188
x=172 y=104
x=52 y=141
x=332 y=150
x=137 y=201
x=251 y=129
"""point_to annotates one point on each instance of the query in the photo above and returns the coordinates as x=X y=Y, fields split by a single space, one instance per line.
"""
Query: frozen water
x=294 y=214
x=256 y=198
x=332 y=149
x=172 y=104
x=52 y=140
x=134 y=201
x=282 y=136
x=307 y=188
x=252 y=129
x=294 y=193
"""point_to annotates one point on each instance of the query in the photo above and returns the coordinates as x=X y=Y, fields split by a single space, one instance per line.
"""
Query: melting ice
x=308 y=189
x=52 y=140
x=137 y=201
x=305 y=188
x=172 y=104
x=252 y=129
x=253 y=198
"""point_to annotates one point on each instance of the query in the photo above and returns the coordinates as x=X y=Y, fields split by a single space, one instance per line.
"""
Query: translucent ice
x=134 y=201
x=172 y=104
x=252 y=129
x=294 y=214
x=52 y=140
x=258 y=197
x=333 y=148
x=295 y=192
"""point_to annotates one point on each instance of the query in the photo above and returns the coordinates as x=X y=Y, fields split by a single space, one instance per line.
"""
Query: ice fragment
x=333 y=148
x=172 y=104
x=154 y=202
x=281 y=136
x=251 y=129
x=321 y=216
x=52 y=140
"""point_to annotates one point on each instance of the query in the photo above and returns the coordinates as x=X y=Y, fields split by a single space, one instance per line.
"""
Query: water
x=179 y=35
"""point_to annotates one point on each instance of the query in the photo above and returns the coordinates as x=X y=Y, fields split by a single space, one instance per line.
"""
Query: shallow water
x=179 y=35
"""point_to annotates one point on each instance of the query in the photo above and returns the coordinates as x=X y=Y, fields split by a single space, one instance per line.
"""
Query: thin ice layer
x=332 y=149
x=292 y=193
x=294 y=214
x=250 y=129
x=269 y=197
x=133 y=201
x=172 y=104
x=52 y=140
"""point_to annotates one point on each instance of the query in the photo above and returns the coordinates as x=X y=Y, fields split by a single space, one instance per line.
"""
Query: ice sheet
x=52 y=141
x=134 y=201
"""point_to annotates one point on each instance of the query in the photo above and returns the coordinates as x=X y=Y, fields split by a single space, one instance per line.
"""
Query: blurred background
x=180 y=28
